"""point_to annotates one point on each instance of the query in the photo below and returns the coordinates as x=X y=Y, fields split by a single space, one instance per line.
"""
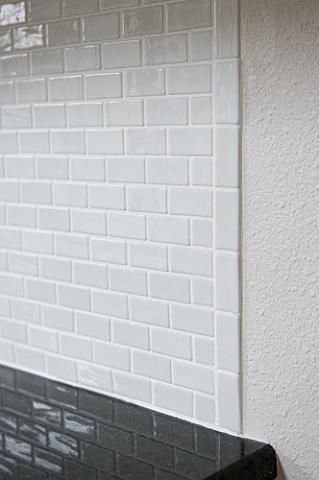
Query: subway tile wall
x=119 y=199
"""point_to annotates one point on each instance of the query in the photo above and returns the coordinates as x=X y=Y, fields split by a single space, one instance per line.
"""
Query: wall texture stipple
x=119 y=192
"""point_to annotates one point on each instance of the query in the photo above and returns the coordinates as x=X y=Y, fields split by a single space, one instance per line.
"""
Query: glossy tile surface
x=49 y=430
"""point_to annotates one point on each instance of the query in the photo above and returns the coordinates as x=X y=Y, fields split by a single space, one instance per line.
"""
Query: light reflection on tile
x=11 y=13
x=28 y=37
x=5 y=42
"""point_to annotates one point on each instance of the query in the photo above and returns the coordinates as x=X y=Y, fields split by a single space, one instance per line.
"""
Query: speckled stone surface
x=49 y=430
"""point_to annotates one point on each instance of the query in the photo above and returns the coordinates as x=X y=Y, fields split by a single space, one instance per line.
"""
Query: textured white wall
x=280 y=50
x=119 y=199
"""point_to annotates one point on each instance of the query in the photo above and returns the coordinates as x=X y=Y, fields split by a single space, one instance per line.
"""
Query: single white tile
x=186 y=15
x=165 y=49
x=228 y=342
x=121 y=54
x=226 y=98
x=228 y=401
x=227 y=156
x=143 y=21
x=227 y=296
x=227 y=23
x=227 y=219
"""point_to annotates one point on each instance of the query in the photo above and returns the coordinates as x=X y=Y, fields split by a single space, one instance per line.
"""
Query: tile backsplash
x=119 y=199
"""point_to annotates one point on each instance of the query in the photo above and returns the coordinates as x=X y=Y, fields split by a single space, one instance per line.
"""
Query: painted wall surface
x=119 y=199
x=280 y=51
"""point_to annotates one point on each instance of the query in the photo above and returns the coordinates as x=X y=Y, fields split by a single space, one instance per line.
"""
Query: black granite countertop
x=49 y=430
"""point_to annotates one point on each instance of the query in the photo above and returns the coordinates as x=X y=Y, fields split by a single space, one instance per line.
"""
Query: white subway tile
x=229 y=402
x=23 y=263
x=194 y=261
x=52 y=167
x=227 y=219
x=92 y=326
x=113 y=304
x=8 y=142
x=145 y=82
x=14 y=66
x=201 y=110
x=71 y=8
x=16 y=117
x=43 y=339
x=94 y=377
x=121 y=54
x=78 y=59
x=165 y=49
x=109 y=251
x=227 y=282
x=173 y=398
x=146 y=141
x=47 y=62
x=191 y=201
x=26 y=310
x=60 y=367
x=79 y=348
x=56 y=269
x=36 y=192
x=146 y=199
x=193 y=319
x=5 y=308
x=33 y=90
x=168 y=229
x=113 y=356
x=190 y=79
x=34 y=142
x=74 y=297
x=227 y=156
x=204 y=351
x=227 y=35
x=54 y=219
x=72 y=246
x=133 y=387
x=70 y=195
x=101 y=27
x=66 y=88
x=107 y=85
x=47 y=116
x=105 y=142
x=201 y=45
x=187 y=15
x=171 y=171
x=152 y=366
x=87 y=221
x=194 y=377
x=202 y=232
x=128 y=281
x=105 y=4
x=31 y=36
x=227 y=92
x=203 y=291
x=85 y=115
x=41 y=290
x=91 y=275
x=149 y=311
x=110 y=197
x=202 y=171
x=68 y=141
x=63 y=33
x=205 y=408
x=190 y=141
x=130 y=334
x=6 y=351
x=57 y=318
x=19 y=215
x=44 y=10
x=14 y=331
x=124 y=113
x=148 y=256
x=173 y=344
x=37 y=242
x=10 y=239
x=7 y=93
x=30 y=358
x=127 y=226
x=228 y=342
x=166 y=111
x=126 y=170
x=168 y=286
x=143 y=21
x=87 y=169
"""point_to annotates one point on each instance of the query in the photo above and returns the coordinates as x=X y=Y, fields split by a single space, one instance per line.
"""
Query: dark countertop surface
x=49 y=430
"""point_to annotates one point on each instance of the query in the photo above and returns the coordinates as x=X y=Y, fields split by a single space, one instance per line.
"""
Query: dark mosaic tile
x=46 y=413
x=18 y=448
x=173 y=431
x=133 y=418
x=165 y=475
x=194 y=466
x=17 y=402
x=98 y=457
x=115 y=439
x=77 y=471
x=31 y=473
x=8 y=468
x=32 y=432
x=207 y=442
x=8 y=422
x=79 y=425
x=155 y=452
x=48 y=461
x=31 y=384
x=132 y=469
x=62 y=394
x=7 y=377
x=64 y=444
x=1 y=442
x=96 y=405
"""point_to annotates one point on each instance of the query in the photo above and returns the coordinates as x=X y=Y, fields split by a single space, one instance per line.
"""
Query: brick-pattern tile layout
x=119 y=194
